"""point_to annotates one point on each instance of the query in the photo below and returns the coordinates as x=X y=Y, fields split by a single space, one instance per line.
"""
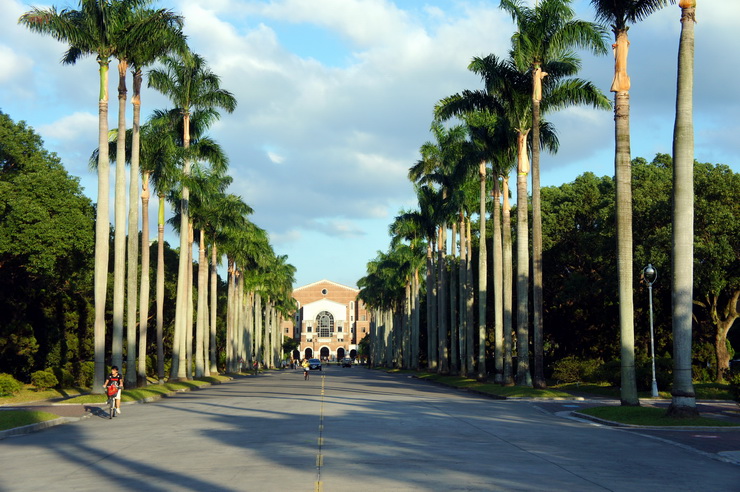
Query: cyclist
x=115 y=379
x=305 y=369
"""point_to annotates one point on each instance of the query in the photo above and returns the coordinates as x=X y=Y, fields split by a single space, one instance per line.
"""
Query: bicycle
x=112 y=401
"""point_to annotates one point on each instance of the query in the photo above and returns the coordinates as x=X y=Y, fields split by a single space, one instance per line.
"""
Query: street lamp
x=650 y=275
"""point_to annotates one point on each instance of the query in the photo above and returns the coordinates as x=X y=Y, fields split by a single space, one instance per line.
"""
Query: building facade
x=329 y=323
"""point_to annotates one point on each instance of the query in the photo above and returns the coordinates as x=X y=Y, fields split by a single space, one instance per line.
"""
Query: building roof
x=324 y=281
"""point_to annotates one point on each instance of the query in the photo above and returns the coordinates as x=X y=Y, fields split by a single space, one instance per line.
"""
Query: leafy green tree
x=46 y=256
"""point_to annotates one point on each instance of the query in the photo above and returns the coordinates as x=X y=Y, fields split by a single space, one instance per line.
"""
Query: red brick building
x=330 y=321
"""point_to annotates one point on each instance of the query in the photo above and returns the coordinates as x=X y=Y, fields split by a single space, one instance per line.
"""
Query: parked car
x=314 y=364
x=346 y=362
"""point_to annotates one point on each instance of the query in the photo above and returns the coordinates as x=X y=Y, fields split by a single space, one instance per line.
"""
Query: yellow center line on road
x=319 y=456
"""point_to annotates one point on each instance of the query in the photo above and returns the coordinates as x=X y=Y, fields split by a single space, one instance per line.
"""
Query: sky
x=335 y=98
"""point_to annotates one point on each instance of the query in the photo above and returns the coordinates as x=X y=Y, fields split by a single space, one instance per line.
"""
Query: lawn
x=493 y=388
x=10 y=419
x=653 y=417
x=704 y=391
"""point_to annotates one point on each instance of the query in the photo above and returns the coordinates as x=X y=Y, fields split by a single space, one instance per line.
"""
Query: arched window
x=325 y=322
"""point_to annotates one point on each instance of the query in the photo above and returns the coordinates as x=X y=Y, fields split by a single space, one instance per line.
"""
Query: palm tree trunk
x=462 y=299
x=200 y=327
x=119 y=241
x=470 y=304
x=416 y=322
x=443 y=353
x=179 y=356
x=683 y=397
x=482 y=276
x=431 y=309
x=144 y=292
x=452 y=301
x=214 y=309
x=623 y=174
x=132 y=250
x=230 y=291
x=102 y=230
x=523 y=377
x=537 y=310
x=508 y=280
x=145 y=280
x=498 y=285
x=190 y=308
x=160 y=289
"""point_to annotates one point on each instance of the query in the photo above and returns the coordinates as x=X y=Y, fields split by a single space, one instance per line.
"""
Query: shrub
x=9 y=386
x=64 y=377
x=734 y=380
x=86 y=374
x=44 y=380
x=571 y=369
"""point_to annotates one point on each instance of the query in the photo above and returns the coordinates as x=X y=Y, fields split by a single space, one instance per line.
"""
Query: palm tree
x=408 y=226
x=618 y=13
x=683 y=402
x=91 y=30
x=226 y=211
x=506 y=95
x=543 y=42
x=163 y=170
x=439 y=159
x=207 y=187
x=162 y=30
x=191 y=86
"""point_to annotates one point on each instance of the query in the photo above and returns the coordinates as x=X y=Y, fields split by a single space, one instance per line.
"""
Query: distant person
x=305 y=369
x=115 y=379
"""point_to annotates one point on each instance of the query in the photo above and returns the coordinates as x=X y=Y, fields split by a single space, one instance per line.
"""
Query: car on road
x=346 y=362
x=314 y=364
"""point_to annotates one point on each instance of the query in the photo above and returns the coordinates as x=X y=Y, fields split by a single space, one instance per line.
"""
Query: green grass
x=10 y=419
x=713 y=391
x=493 y=388
x=704 y=391
x=653 y=417
x=30 y=394
x=151 y=390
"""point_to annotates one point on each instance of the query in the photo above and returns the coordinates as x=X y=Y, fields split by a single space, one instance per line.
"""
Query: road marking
x=319 y=455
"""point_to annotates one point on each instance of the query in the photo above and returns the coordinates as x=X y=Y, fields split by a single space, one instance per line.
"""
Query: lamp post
x=650 y=275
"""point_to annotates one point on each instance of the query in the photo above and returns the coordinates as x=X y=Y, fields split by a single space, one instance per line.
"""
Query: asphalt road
x=348 y=430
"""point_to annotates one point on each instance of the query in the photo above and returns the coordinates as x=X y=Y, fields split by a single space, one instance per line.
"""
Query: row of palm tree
x=172 y=153
x=502 y=126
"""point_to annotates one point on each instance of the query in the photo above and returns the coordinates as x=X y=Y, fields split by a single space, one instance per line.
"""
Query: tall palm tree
x=436 y=166
x=191 y=86
x=408 y=226
x=683 y=402
x=92 y=30
x=162 y=31
x=618 y=13
x=506 y=95
x=207 y=186
x=226 y=212
x=545 y=36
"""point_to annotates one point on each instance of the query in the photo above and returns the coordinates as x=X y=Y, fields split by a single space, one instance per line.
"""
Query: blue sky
x=336 y=96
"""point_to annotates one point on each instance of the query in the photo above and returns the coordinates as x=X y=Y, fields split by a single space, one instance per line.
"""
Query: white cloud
x=344 y=135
